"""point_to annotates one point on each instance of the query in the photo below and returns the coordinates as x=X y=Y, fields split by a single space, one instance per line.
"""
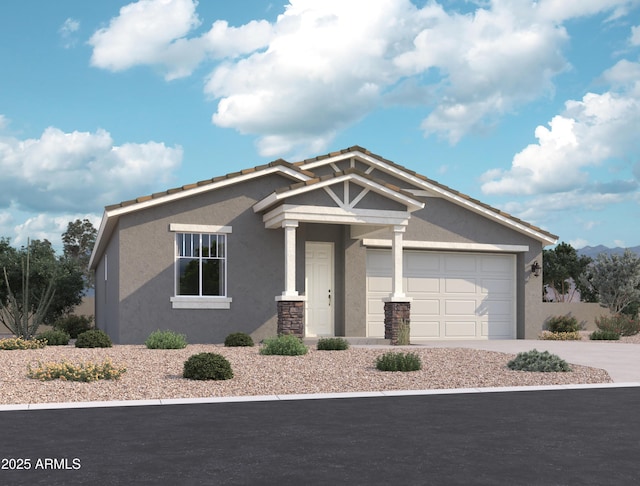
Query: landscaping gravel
x=157 y=374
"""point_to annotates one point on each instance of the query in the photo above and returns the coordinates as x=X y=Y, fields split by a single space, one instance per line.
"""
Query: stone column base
x=291 y=317
x=395 y=313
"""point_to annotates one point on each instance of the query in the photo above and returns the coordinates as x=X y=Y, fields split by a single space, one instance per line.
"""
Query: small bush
x=19 y=343
x=604 y=335
x=75 y=372
x=563 y=324
x=393 y=361
x=73 y=325
x=620 y=323
x=284 y=345
x=95 y=338
x=332 y=344
x=404 y=333
x=236 y=339
x=166 y=340
x=54 y=337
x=207 y=366
x=560 y=336
x=535 y=360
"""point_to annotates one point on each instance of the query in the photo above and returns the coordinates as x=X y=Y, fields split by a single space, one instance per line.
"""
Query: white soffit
x=447 y=245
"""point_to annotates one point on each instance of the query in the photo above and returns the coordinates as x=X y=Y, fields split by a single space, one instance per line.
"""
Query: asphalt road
x=558 y=437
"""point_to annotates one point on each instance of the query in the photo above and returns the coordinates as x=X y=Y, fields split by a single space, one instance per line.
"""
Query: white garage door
x=455 y=295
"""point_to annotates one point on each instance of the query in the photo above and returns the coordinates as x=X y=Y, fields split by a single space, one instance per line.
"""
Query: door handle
x=329 y=297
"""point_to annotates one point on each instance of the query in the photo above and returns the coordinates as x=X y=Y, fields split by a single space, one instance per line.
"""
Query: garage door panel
x=460 y=329
x=497 y=329
x=495 y=264
x=454 y=295
x=380 y=284
x=459 y=286
x=424 y=285
x=460 y=307
x=459 y=263
x=425 y=307
x=494 y=308
x=496 y=286
x=428 y=329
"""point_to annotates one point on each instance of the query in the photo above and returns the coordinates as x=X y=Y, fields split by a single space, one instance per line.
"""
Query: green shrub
x=207 y=366
x=332 y=344
x=560 y=336
x=394 y=361
x=284 y=345
x=95 y=338
x=54 y=337
x=19 y=343
x=535 y=360
x=73 y=325
x=166 y=340
x=238 y=339
x=604 y=335
x=75 y=372
x=563 y=324
x=620 y=323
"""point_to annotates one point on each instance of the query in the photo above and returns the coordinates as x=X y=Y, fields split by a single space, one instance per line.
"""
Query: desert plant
x=535 y=360
x=95 y=338
x=238 y=339
x=207 y=366
x=20 y=343
x=21 y=316
x=560 y=336
x=332 y=344
x=394 y=361
x=166 y=340
x=604 y=335
x=73 y=324
x=619 y=323
x=284 y=345
x=75 y=372
x=54 y=337
x=404 y=333
x=563 y=324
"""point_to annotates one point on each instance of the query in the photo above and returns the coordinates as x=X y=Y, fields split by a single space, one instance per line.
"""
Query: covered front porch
x=315 y=287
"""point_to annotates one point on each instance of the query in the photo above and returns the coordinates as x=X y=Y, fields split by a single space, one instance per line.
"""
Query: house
x=344 y=244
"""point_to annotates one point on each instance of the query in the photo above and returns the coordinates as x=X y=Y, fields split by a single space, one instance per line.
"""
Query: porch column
x=290 y=258
x=397 y=308
x=396 y=252
x=290 y=304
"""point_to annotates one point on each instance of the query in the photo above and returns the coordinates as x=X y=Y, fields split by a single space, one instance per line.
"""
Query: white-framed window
x=200 y=267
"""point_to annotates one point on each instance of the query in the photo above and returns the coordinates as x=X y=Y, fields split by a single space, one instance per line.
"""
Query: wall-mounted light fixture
x=535 y=268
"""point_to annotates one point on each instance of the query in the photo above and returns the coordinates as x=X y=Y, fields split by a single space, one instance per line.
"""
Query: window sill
x=186 y=302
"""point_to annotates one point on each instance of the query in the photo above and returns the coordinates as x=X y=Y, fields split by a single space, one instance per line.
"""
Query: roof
x=303 y=176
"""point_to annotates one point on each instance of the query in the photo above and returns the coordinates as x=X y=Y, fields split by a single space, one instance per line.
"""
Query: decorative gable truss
x=350 y=192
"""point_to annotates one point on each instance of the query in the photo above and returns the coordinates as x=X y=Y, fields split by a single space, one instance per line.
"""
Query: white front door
x=319 y=289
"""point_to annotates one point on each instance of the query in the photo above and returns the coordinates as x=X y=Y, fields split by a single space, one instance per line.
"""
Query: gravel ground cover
x=157 y=374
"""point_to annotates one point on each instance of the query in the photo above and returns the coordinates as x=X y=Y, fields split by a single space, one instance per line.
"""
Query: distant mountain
x=594 y=251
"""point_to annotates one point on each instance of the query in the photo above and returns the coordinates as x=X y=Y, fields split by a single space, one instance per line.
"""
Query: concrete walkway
x=620 y=360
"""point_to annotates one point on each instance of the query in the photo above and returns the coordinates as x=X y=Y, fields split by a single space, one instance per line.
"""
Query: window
x=201 y=264
x=200 y=267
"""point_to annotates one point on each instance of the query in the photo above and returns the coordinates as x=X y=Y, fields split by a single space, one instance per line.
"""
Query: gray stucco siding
x=255 y=260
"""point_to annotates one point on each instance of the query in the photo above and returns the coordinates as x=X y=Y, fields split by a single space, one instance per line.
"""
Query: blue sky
x=531 y=107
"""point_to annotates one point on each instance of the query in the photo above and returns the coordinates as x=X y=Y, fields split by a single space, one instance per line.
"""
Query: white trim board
x=446 y=245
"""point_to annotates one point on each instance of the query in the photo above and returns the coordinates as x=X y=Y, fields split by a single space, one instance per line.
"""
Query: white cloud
x=579 y=243
x=322 y=65
x=4 y=122
x=45 y=227
x=635 y=36
x=80 y=171
x=67 y=31
x=153 y=32
x=590 y=132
